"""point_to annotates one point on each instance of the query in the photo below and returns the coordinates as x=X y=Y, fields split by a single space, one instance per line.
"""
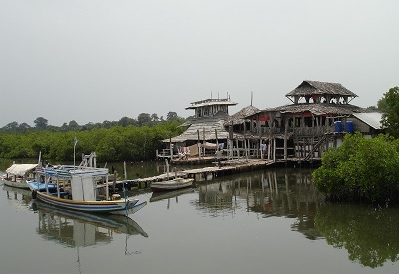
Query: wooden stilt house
x=318 y=117
x=205 y=131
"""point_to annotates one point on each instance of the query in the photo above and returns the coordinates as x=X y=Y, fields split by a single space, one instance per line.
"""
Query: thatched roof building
x=318 y=109
x=207 y=122
x=321 y=92
x=240 y=117
x=205 y=127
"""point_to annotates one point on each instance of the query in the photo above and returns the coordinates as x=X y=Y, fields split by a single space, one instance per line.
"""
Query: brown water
x=271 y=221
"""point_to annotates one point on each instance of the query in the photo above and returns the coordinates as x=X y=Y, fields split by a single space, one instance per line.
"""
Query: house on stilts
x=319 y=116
x=204 y=133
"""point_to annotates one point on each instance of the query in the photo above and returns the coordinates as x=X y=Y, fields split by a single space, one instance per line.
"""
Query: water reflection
x=79 y=229
x=371 y=236
x=279 y=193
x=167 y=195
x=20 y=198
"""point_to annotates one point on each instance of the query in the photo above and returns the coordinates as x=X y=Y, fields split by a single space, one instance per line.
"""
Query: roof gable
x=308 y=88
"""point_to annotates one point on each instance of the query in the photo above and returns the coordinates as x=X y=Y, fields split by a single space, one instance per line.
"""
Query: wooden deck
x=203 y=174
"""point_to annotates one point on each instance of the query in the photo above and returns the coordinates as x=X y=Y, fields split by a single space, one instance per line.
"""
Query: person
x=263 y=148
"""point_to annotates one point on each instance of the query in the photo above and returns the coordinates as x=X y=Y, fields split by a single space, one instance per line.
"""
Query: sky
x=101 y=60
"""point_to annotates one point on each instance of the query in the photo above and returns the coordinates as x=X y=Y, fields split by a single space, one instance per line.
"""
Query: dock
x=203 y=174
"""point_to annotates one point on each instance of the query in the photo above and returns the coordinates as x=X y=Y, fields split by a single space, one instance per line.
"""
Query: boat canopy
x=20 y=169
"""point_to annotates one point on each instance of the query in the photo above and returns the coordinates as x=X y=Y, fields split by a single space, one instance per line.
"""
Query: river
x=270 y=221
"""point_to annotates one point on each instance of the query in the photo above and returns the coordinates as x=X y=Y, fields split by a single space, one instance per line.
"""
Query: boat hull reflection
x=76 y=229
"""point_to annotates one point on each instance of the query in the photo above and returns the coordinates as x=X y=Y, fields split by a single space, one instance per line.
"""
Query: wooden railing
x=297 y=131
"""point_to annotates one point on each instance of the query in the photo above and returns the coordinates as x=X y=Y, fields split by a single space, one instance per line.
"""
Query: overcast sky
x=97 y=60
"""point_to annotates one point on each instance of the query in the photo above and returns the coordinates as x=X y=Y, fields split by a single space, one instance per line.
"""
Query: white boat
x=17 y=175
x=115 y=223
x=83 y=189
x=173 y=184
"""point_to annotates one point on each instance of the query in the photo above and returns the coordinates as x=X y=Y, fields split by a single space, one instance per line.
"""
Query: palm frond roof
x=239 y=117
x=308 y=88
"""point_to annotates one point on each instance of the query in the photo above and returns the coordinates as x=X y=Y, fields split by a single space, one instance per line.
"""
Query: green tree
x=144 y=119
x=24 y=126
x=382 y=105
x=154 y=117
x=13 y=126
x=126 y=121
x=41 y=123
x=171 y=116
x=73 y=125
x=361 y=169
x=390 y=108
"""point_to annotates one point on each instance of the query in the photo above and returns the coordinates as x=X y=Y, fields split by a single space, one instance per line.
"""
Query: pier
x=202 y=174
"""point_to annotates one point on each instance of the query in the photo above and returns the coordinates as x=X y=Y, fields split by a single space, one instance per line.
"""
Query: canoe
x=174 y=184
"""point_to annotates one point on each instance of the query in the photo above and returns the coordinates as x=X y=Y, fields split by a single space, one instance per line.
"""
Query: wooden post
x=198 y=144
x=285 y=141
x=203 y=140
x=245 y=140
x=114 y=182
x=269 y=149
x=217 y=141
x=237 y=149
x=167 y=168
x=230 y=145
x=170 y=148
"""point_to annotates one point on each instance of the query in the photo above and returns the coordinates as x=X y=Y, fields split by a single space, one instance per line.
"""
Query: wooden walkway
x=204 y=174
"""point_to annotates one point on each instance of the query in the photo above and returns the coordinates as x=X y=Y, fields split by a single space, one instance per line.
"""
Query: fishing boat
x=173 y=184
x=82 y=188
x=17 y=175
x=116 y=223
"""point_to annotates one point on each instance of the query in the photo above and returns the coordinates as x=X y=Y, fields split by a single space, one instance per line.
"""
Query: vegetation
x=127 y=139
x=370 y=235
x=389 y=105
x=41 y=124
x=361 y=169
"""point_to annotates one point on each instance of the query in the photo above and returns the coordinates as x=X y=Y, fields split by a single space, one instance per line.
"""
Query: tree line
x=41 y=123
x=127 y=139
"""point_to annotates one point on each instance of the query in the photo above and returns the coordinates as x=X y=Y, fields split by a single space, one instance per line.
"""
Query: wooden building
x=319 y=116
x=205 y=131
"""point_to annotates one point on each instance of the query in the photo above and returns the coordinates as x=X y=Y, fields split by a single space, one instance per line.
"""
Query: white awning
x=20 y=169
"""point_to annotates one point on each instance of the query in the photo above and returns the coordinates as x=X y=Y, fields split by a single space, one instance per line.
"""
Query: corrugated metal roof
x=373 y=119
